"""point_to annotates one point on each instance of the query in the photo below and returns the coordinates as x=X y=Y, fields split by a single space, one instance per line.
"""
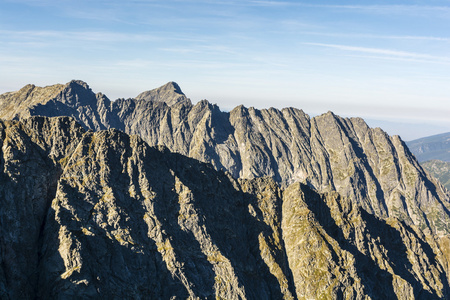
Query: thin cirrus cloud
x=390 y=8
x=99 y=36
x=202 y=49
x=53 y=36
x=386 y=53
x=367 y=36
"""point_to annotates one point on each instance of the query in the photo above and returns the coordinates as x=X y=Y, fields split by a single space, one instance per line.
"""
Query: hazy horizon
x=385 y=61
x=407 y=131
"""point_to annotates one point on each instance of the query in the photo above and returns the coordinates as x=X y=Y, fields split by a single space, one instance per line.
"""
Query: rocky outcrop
x=337 y=250
x=75 y=99
x=170 y=93
x=30 y=168
x=17 y=104
x=327 y=152
x=104 y=215
x=440 y=170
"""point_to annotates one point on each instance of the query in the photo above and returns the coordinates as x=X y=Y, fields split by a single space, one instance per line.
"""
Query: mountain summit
x=170 y=93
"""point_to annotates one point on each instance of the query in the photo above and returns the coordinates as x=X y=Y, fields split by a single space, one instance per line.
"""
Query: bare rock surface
x=30 y=170
x=439 y=169
x=169 y=93
x=97 y=215
x=327 y=152
x=338 y=250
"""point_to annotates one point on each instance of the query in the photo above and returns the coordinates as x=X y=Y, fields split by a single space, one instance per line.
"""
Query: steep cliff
x=30 y=170
x=327 y=152
x=337 y=250
x=103 y=214
x=439 y=169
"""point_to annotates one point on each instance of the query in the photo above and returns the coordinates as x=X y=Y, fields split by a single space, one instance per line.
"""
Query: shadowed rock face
x=103 y=214
x=30 y=170
x=327 y=152
x=352 y=254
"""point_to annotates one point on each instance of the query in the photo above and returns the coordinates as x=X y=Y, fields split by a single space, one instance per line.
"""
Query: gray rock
x=439 y=169
x=337 y=250
x=30 y=169
x=327 y=152
x=102 y=214
x=170 y=93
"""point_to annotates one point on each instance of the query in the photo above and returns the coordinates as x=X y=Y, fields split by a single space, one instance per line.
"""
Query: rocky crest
x=103 y=214
x=327 y=152
x=169 y=93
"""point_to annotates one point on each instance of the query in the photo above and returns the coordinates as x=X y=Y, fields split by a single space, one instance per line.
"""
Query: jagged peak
x=240 y=108
x=78 y=84
x=32 y=87
x=172 y=85
x=27 y=87
x=169 y=93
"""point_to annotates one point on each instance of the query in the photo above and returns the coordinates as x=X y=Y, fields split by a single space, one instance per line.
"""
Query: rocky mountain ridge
x=327 y=152
x=103 y=214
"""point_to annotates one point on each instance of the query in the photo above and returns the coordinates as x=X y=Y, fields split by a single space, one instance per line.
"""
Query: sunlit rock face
x=327 y=152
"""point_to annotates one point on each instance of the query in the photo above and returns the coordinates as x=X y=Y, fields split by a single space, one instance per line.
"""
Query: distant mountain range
x=433 y=153
x=431 y=147
x=156 y=197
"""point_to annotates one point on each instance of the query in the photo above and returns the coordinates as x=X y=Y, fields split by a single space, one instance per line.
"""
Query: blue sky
x=385 y=61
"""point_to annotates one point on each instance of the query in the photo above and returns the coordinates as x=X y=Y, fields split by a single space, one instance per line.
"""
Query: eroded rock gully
x=102 y=214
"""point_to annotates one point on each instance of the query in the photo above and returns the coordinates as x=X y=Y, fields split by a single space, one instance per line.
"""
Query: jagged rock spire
x=170 y=93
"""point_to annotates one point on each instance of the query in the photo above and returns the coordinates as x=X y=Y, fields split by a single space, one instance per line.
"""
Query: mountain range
x=431 y=147
x=155 y=197
x=433 y=153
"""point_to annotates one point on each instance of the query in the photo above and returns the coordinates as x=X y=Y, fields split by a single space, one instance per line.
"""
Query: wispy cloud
x=378 y=36
x=199 y=65
x=100 y=36
x=198 y=49
x=385 y=53
x=389 y=9
x=94 y=36
x=385 y=8
x=272 y=3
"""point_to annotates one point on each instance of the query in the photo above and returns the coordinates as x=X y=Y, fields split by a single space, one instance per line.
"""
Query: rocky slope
x=327 y=152
x=440 y=170
x=103 y=214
